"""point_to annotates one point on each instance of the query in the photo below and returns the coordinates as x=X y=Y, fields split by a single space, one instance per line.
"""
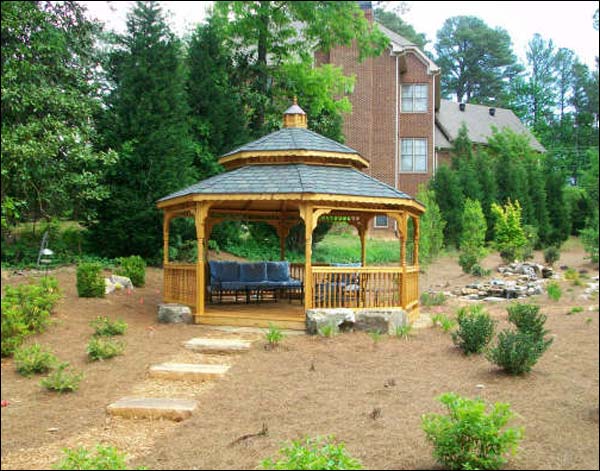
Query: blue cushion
x=278 y=271
x=252 y=272
x=224 y=271
x=233 y=285
x=291 y=283
x=347 y=278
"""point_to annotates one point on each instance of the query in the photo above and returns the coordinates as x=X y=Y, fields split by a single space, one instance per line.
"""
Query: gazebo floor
x=283 y=314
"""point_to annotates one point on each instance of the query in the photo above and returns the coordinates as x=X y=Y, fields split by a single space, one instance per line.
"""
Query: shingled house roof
x=480 y=123
x=293 y=139
x=292 y=178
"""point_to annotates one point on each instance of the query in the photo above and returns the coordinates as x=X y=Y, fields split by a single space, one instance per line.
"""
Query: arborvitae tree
x=450 y=199
x=217 y=113
x=487 y=181
x=147 y=122
x=536 y=184
x=464 y=163
x=431 y=227
x=555 y=198
x=472 y=239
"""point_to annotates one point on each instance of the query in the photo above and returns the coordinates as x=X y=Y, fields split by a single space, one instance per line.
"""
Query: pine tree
x=147 y=123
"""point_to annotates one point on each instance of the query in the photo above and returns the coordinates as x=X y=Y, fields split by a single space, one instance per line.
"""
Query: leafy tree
x=50 y=167
x=264 y=35
x=431 y=227
x=508 y=231
x=147 y=121
x=449 y=197
x=478 y=61
x=394 y=22
x=472 y=240
x=218 y=121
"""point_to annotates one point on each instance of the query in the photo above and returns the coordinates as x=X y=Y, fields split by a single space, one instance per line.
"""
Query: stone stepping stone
x=189 y=371
x=153 y=408
x=217 y=345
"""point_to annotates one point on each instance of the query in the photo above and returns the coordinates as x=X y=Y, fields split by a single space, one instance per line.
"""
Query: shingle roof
x=292 y=178
x=294 y=139
x=394 y=37
x=479 y=123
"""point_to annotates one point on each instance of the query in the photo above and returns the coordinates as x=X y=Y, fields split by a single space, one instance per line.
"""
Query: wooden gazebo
x=287 y=177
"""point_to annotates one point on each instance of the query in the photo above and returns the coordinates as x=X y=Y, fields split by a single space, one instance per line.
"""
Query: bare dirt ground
x=557 y=403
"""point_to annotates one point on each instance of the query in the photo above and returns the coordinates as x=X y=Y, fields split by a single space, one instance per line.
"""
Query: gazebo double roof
x=283 y=178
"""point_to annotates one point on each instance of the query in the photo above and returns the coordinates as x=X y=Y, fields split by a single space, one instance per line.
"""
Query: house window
x=381 y=220
x=414 y=98
x=413 y=155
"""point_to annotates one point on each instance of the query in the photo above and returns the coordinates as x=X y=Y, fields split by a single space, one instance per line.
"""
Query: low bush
x=478 y=270
x=90 y=283
x=63 y=379
x=429 y=298
x=273 y=336
x=328 y=330
x=551 y=255
x=313 y=453
x=404 y=331
x=554 y=291
x=134 y=268
x=103 y=326
x=517 y=352
x=34 y=360
x=105 y=457
x=527 y=319
x=469 y=437
x=102 y=348
x=475 y=329
x=26 y=310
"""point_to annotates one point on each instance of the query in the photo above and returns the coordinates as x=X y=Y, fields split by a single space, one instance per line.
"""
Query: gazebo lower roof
x=292 y=179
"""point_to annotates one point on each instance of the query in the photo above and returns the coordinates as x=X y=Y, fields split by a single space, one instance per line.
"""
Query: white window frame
x=380 y=226
x=425 y=170
x=413 y=98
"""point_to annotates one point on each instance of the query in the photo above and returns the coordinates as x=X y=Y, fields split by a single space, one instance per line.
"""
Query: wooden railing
x=363 y=287
x=180 y=283
x=297 y=271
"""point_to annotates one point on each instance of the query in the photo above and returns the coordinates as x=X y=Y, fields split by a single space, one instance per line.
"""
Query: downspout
x=435 y=156
x=396 y=132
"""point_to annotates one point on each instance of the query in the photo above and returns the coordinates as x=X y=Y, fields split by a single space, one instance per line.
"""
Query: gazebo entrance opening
x=290 y=177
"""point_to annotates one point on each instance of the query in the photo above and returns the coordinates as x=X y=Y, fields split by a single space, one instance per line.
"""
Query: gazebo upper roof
x=293 y=144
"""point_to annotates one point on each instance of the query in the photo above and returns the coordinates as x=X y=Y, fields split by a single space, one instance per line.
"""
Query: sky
x=568 y=24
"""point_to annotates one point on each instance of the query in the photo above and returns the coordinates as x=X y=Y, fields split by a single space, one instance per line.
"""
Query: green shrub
x=26 y=310
x=527 y=319
x=429 y=298
x=106 y=457
x=444 y=322
x=478 y=270
x=328 y=330
x=589 y=237
x=470 y=438
x=551 y=255
x=517 y=352
x=509 y=234
x=313 y=453
x=554 y=291
x=575 y=310
x=404 y=331
x=475 y=329
x=102 y=348
x=103 y=326
x=90 y=283
x=273 y=336
x=33 y=360
x=63 y=379
x=134 y=268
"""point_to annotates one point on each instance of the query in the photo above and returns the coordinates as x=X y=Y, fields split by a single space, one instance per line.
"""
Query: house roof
x=292 y=178
x=480 y=124
x=293 y=139
x=394 y=37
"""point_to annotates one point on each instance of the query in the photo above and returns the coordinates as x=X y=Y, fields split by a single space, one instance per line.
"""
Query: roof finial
x=294 y=116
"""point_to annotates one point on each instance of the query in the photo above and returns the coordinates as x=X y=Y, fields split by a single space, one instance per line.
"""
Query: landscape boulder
x=171 y=313
x=116 y=282
x=319 y=318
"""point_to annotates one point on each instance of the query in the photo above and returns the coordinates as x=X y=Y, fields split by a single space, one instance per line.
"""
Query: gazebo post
x=200 y=215
x=166 y=224
x=416 y=242
x=403 y=231
x=282 y=232
x=306 y=213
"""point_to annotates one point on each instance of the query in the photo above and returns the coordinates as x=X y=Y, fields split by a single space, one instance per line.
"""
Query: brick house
x=399 y=121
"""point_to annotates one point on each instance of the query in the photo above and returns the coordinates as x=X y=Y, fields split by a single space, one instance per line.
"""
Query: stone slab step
x=188 y=371
x=217 y=345
x=153 y=408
